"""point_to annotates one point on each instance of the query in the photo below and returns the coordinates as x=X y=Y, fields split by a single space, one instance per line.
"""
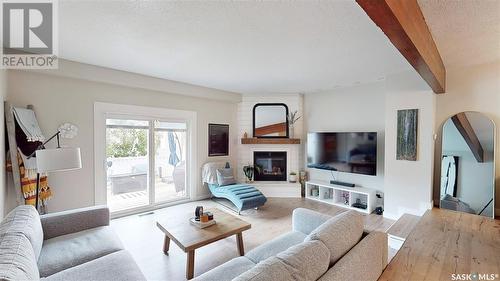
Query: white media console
x=341 y=196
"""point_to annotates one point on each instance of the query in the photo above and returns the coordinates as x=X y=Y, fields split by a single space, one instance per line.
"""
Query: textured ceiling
x=466 y=32
x=255 y=47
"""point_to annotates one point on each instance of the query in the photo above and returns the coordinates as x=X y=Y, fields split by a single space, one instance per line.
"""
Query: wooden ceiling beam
x=403 y=22
x=465 y=128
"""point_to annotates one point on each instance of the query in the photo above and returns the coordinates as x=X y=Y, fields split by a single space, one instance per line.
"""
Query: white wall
x=354 y=109
x=474 y=88
x=3 y=184
x=408 y=184
x=59 y=99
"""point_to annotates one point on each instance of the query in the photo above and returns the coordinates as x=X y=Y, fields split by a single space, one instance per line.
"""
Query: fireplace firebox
x=271 y=165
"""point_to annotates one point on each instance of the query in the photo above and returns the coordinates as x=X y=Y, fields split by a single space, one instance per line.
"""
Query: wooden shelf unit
x=333 y=194
x=269 y=141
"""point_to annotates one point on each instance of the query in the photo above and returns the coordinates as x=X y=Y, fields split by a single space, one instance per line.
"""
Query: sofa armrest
x=366 y=261
x=305 y=220
x=72 y=221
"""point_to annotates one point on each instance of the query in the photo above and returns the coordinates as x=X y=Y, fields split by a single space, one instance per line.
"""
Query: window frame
x=104 y=111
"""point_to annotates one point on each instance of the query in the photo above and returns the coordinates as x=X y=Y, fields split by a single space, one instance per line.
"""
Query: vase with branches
x=293 y=117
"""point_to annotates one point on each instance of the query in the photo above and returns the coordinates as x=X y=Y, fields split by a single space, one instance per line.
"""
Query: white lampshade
x=58 y=159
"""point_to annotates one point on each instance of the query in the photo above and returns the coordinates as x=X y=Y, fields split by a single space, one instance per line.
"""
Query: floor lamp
x=55 y=160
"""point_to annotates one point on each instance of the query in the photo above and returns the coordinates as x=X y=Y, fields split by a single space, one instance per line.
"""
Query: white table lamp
x=58 y=159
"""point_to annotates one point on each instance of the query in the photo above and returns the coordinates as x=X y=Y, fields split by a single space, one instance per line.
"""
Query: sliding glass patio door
x=146 y=162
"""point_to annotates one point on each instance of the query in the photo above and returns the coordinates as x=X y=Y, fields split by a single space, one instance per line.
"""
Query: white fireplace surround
x=294 y=152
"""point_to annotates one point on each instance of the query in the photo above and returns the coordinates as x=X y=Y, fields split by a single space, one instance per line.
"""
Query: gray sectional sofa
x=73 y=245
x=319 y=247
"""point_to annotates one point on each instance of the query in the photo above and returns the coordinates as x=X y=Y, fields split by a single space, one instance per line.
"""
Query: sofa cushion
x=356 y=266
x=306 y=261
x=25 y=220
x=339 y=233
x=275 y=246
x=17 y=258
x=62 y=252
x=117 y=266
x=228 y=270
x=270 y=269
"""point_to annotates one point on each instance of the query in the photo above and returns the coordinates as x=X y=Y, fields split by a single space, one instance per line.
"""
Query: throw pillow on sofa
x=339 y=234
x=225 y=177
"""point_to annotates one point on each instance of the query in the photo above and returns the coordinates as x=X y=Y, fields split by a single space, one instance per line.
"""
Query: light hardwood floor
x=144 y=240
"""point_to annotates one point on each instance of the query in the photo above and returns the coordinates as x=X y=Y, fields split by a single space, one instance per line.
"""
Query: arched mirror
x=468 y=165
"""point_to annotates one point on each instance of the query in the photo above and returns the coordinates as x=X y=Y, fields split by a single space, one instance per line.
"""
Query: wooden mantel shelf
x=269 y=141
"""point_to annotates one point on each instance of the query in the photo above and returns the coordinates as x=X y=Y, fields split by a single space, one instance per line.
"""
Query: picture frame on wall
x=407 y=135
x=218 y=140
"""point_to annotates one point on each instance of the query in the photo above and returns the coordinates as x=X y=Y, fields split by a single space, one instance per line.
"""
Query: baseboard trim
x=391 y=216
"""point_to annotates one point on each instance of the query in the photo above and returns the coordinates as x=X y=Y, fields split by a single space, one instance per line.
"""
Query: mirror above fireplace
x=270 y=120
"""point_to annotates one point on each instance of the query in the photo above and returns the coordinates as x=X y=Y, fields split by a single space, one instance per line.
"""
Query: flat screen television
x=343 y=152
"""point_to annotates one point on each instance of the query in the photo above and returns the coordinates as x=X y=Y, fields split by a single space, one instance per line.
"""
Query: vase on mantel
x=291 y=132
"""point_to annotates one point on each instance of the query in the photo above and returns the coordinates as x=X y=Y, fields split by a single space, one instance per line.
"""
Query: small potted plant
x=249 y=172
x=292 y=177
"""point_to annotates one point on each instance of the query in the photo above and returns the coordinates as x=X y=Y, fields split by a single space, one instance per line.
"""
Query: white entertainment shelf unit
x=340 y=195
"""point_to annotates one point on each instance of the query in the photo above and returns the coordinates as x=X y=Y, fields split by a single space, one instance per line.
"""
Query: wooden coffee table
x=189 y=238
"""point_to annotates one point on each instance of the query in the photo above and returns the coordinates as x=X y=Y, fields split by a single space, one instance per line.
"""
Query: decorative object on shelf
x=315 y=192
x=202 y=219
x=292 y=119
x=302 y=180
x=328 y=194
x=379 y=210
x=270 y=120
x=245 y=135
x=407 y=135
x=249 y=171
x=345 y=196
x=210 y=215
x=359 y=204
x=292 y=178
x=198 y=212
x=201 y=224
x=218 y=140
